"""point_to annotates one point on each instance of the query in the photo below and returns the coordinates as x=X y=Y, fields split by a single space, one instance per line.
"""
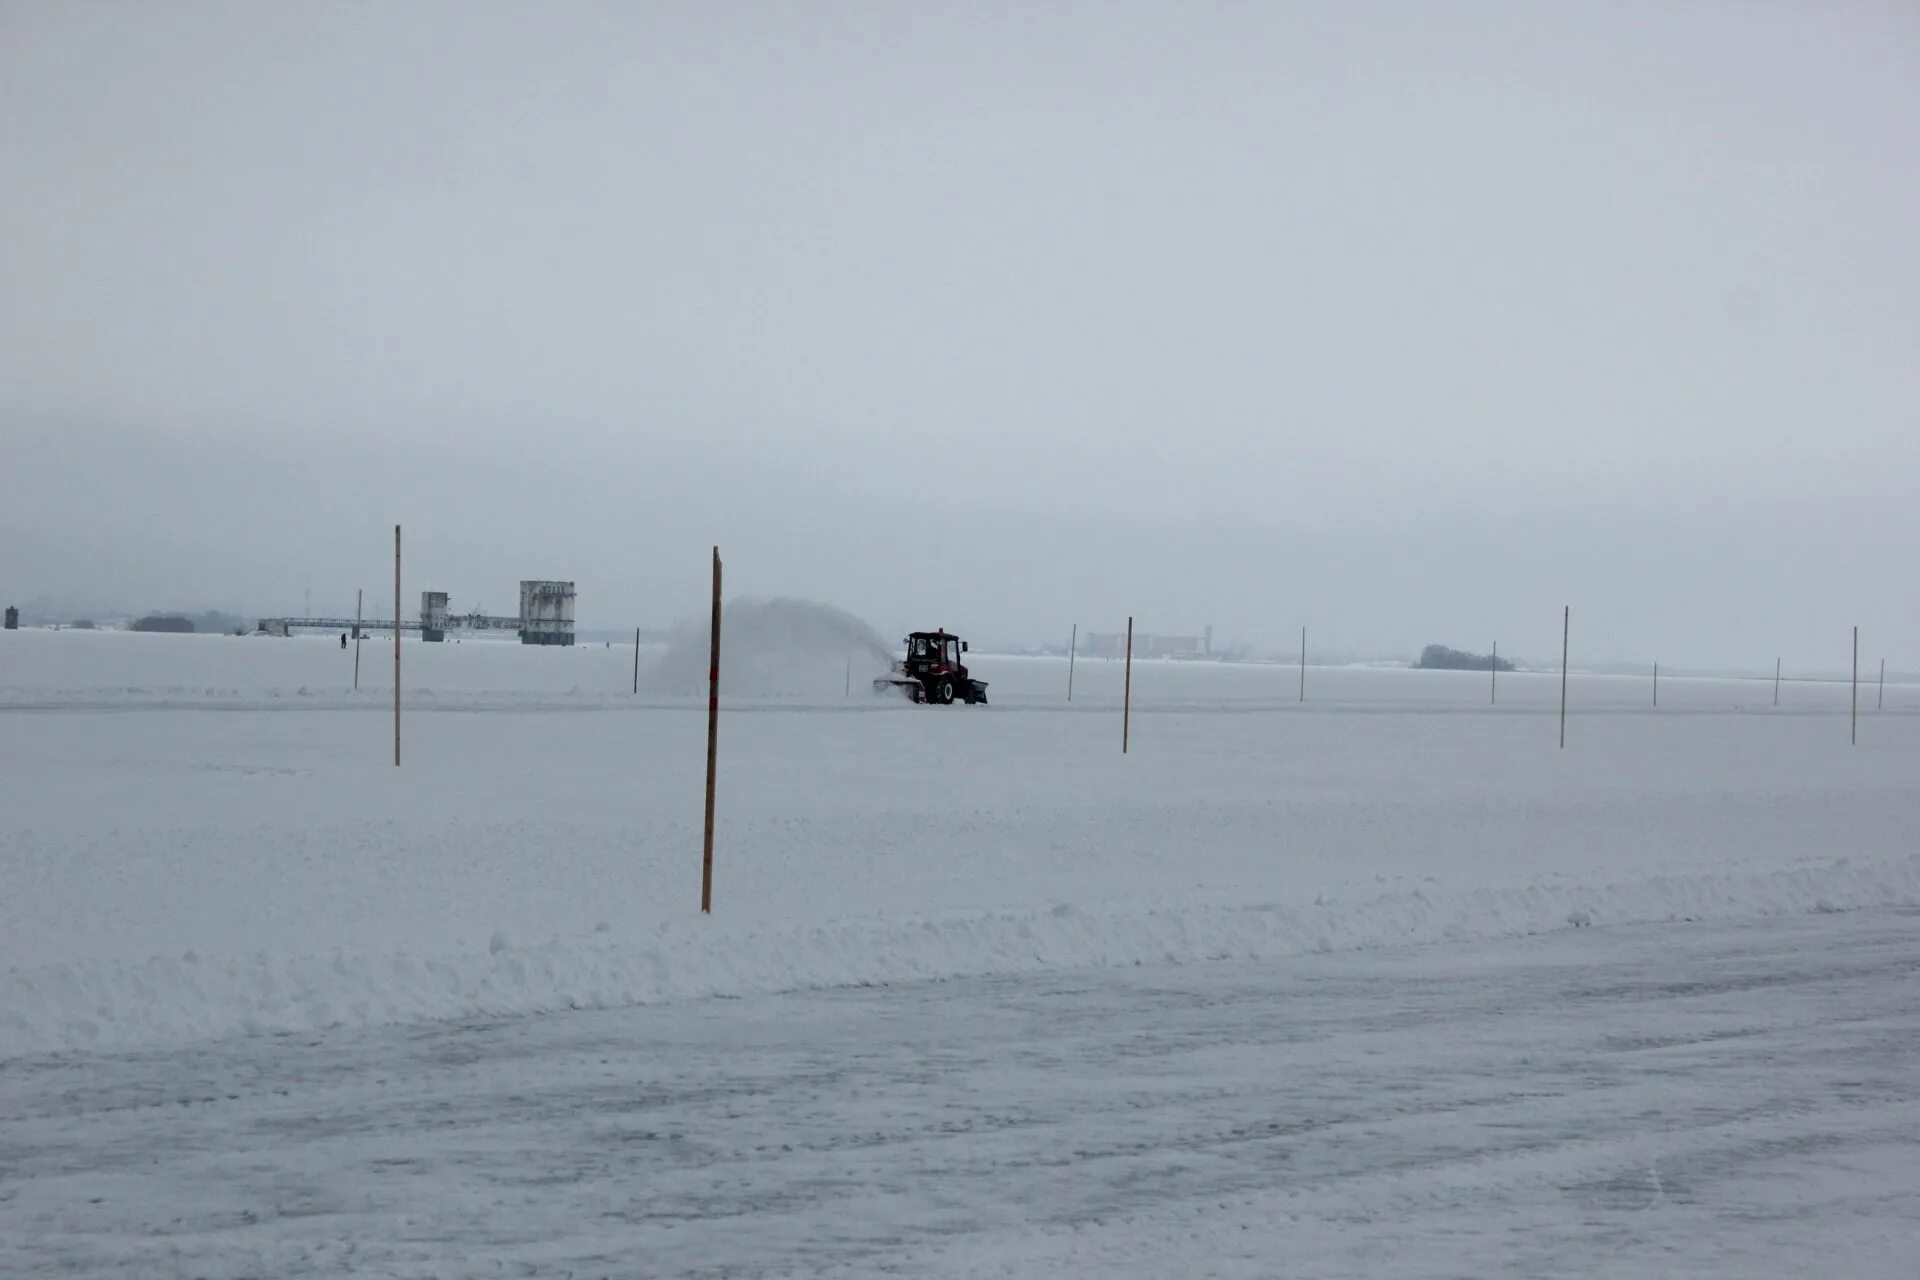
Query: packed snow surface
x=1701 y=1100
x=206 y=835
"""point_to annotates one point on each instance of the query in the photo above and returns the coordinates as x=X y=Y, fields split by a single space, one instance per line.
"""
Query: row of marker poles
x=1493 y=678
x=1126 y=704
x=1853 y=712
x=1126 y=711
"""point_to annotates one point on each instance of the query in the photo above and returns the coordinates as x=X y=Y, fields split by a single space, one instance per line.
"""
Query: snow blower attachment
x=932 y=672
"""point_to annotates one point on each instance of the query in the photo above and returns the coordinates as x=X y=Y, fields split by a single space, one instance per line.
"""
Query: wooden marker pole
x=1303 y=664
x=1073 y=647
x=1776 y=682
x=713 y=741
x=636 y=662
x=1566 y=630
x=1880 y=700
x=1126 y=699
x=1854 y=733
x=396 y=646
x=1656 y=684
x=1493 y=675
x=849 y=692
x=359 y=600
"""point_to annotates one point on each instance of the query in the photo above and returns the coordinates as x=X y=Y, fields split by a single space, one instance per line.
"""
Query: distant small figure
x=343 y=639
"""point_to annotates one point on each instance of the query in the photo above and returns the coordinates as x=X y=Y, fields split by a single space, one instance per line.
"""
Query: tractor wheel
x=946 y=693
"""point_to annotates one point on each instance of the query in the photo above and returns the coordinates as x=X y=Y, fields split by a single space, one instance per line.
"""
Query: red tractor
x=933 y=671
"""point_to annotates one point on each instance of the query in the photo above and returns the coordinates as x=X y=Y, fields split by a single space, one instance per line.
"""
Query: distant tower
x=546 y=611
x=433 y=616
x=1207 y=641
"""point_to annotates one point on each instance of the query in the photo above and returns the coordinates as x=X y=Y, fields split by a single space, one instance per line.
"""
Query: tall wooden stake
x=1126 y=700
x=1776 y=682
x=1855 y=730
x=1493 y=676
x=636 y=662
x=359 y=599
x=1073 y=647
x=1566 y=630
x=713 y=740
x=396 y=646
x=1303 y=664
x=1656 y=684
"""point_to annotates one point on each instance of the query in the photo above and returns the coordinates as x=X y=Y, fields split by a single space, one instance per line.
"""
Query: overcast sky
x=1410 y=322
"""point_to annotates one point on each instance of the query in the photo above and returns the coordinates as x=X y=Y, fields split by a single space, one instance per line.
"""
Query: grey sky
x=1412 y=322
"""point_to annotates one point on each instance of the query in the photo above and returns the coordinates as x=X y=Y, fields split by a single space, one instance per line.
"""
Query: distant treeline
x=1437 y=657
x=169 y=622
x=210 y=622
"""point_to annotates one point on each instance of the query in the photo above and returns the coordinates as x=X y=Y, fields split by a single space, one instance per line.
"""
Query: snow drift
x=87 y=1004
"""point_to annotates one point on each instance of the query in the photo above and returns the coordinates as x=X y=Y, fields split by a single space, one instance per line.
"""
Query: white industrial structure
x=545 y=617
x=546 y=612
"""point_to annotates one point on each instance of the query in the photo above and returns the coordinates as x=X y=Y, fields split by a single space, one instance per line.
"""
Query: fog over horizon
x=1409 y=326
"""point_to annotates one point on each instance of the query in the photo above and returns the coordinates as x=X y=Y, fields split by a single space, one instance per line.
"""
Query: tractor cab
x=935 y=652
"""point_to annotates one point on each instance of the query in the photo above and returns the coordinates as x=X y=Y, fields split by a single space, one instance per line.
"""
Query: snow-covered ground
x=1381 y=983
x=1679 y=1100
x=204 y=835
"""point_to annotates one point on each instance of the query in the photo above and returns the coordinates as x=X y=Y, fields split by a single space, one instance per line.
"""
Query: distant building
x=1113 y=644
x=13 y=618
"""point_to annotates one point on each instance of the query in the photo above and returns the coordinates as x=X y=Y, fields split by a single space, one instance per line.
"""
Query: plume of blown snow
x=775 y=648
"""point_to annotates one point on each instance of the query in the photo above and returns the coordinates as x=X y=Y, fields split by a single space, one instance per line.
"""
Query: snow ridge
x=98 y=1004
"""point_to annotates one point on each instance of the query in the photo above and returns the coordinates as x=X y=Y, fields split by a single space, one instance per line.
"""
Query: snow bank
x=88 y=1004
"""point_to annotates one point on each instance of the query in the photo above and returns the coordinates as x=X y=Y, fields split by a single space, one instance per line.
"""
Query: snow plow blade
x=911 y=688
